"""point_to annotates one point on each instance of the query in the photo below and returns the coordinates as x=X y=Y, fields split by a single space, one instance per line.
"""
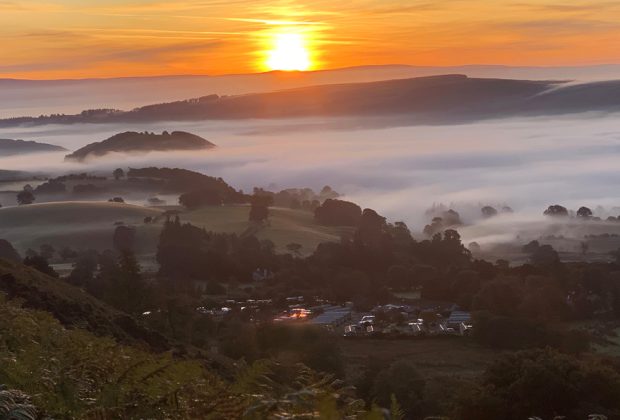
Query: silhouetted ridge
x=131 y=141
x=10 y=147
x=435 y=99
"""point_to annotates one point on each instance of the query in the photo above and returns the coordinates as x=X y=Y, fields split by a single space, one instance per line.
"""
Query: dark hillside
x=74 y=307
x=9 y=147
x=131 y=142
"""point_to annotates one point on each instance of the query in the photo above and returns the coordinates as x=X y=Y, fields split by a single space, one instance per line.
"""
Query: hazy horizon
x=20 y=98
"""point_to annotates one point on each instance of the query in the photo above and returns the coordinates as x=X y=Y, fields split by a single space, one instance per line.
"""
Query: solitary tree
x=259 y=211
x=584 y=213
x=118 y=173
x=488 y=211
x=556 y=211
x=25 y=197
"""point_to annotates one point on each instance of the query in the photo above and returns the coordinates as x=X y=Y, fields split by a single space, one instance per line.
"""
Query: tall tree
x=118 y=173
x=584 y=213
x=25 y=197
x=259 y=211
x=556 y=211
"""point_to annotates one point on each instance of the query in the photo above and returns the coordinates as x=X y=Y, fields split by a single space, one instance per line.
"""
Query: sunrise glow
x=289 y=52
x=111 y=38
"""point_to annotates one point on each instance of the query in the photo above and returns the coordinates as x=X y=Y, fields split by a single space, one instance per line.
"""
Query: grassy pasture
x=82 y=225
x=79 y=225
x=284 y=227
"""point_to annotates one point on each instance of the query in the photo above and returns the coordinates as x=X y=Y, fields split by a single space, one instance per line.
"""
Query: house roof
x=456 y=317
x=329 y=317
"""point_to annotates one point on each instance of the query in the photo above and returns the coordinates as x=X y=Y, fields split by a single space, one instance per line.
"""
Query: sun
x=289 y=52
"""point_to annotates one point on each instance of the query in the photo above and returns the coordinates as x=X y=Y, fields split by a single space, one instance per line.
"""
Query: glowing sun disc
x=289 y=53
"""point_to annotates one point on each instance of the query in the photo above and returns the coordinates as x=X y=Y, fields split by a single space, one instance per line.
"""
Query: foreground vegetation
x=195 y=336
x=74 y=374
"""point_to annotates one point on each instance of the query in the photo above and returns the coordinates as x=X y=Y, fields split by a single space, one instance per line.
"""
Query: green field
x=284 y=227
x=82 y=225
x=79 y=225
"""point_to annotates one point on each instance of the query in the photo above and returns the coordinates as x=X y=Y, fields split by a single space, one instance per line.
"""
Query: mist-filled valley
x=346 y=249
x=524 y=163
x=309 y=210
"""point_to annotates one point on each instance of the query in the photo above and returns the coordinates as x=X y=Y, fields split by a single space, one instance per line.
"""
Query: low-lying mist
x=526 y=164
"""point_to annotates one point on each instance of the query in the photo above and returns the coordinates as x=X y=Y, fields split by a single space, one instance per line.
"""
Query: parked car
x=367 y=320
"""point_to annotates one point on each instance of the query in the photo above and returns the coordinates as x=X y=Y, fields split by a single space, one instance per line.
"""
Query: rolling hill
x=9 y=147
x=132 y=142
x=285 y=226
x=74 y=307
x=444 y=99
x=79 y=225
x=85 y=225
x=35 y=97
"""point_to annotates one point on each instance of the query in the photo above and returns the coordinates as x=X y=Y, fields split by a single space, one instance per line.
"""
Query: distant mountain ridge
x=131 y=142
x=19 y=97
x=10 y=147
x=427 y=100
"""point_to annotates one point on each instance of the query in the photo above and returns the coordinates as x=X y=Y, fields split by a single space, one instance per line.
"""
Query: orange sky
x=43 y=39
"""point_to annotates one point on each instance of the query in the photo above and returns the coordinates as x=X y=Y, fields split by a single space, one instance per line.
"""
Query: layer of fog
x=400 y=172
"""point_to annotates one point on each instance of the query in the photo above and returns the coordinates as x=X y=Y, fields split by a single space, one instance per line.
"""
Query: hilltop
x=131 y=142
x=447 y=99
x=10 y=147
x=19 y=97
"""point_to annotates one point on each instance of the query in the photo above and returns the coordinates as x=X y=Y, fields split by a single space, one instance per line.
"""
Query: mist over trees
x=118 y=173
x=556 y=211
x=374 y=262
